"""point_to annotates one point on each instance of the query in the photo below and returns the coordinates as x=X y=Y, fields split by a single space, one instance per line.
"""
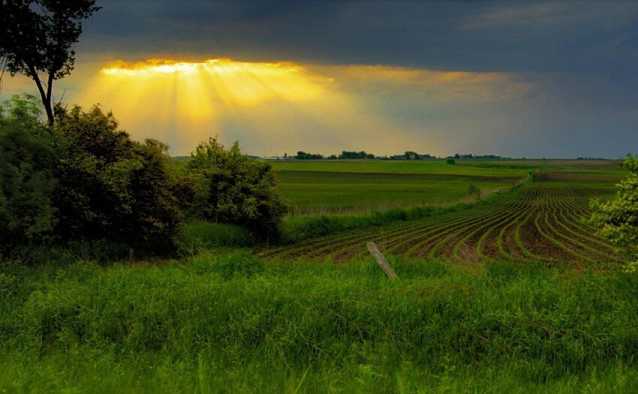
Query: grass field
x=231 y=323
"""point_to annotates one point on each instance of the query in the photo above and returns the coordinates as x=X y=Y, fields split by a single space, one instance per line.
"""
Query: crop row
x=538 y=223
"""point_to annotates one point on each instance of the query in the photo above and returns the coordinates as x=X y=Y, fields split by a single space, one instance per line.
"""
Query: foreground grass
x=230 y=323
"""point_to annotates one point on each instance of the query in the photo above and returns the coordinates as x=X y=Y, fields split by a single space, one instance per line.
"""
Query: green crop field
x=540 y=221
x=347 y=186
x=342 y=192
x=468 y=167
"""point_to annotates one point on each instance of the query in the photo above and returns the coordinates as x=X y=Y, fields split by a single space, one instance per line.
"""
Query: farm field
x=468 y=167
x=349 y=186
x=310 y=192
x=497 y=168
x=541 y=221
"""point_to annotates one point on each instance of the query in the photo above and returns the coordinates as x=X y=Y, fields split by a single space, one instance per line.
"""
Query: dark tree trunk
x=45 y=96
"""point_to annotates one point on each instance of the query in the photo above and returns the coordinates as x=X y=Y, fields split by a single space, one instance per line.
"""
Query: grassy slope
x=232 y=324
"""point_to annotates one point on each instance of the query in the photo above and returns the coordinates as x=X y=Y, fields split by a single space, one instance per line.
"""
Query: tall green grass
x=231 y=323
x=198 y=235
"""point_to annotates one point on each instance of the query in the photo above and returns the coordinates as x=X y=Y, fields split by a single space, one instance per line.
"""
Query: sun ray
x=266 y=103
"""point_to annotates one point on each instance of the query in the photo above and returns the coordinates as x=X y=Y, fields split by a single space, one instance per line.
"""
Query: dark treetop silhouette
x=37 y=39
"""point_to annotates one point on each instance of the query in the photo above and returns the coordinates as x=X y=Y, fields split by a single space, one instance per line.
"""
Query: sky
x=514 y=78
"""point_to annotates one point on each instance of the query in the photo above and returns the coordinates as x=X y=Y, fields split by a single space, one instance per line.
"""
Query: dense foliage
x=84 y=180
x=301 y=155
x=27 y=213
x=37 y=37
x=110 y=186
x=232 y=188
x=617 y=219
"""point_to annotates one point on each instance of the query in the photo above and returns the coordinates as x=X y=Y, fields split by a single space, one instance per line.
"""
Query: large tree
x=37 y=37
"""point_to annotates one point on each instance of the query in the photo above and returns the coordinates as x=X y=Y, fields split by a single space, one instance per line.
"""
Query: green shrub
x=85 y=182
x=617 y=219
x=110 y=187
x=27 y=214
x=232 y=188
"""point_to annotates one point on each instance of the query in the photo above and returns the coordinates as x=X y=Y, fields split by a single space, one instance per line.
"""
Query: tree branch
x=43 y=95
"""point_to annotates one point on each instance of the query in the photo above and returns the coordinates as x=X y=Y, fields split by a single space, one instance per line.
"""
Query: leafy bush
x=110 y=186
x=450 y=161
x=617 y=219
x=26 y=183
x=232 y=188
x=84 y=180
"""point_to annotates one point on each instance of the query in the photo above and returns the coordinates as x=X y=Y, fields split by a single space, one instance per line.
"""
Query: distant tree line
x=301 y=155
x=408 y=155
x=470 y=156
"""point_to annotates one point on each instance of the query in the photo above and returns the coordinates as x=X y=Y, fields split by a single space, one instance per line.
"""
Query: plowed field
x=542 y=221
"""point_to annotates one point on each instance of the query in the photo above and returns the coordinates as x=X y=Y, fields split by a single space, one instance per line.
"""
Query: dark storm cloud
x=472 y=35
x=567 y=71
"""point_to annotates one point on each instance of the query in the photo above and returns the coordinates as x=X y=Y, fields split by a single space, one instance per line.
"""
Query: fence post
x=381 y=261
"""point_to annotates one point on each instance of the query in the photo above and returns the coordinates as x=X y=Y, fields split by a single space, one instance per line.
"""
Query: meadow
x=229 y=322
x=510 y=293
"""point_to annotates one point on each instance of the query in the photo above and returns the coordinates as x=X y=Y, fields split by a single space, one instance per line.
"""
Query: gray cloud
x=578 y=59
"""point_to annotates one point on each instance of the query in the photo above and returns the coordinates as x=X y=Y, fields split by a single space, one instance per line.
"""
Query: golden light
x=275 y=104
x=194 y=100
x=243 y=83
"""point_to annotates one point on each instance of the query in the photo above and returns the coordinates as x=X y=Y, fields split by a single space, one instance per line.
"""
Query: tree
x=27 y=214
x=232 y=188
x=37 y=38
x=617 y=218
x=301 y=155
x=111 y=187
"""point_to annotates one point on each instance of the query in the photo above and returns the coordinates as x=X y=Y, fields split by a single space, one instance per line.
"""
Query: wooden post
x=383 y=263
